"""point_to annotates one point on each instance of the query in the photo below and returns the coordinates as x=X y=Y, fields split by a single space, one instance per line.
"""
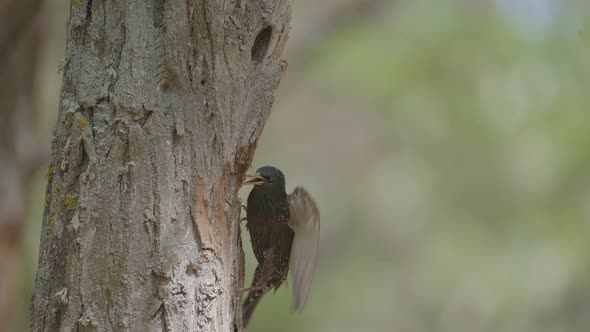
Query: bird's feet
x=251 y=288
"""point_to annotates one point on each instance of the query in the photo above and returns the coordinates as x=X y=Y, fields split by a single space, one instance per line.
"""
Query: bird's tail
x=250 y=304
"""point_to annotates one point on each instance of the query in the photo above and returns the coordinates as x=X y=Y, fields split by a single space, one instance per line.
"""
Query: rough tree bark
x=20 y=152
x=161 y=107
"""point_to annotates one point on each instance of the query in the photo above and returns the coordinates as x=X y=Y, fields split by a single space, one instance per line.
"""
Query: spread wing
x=305 y=221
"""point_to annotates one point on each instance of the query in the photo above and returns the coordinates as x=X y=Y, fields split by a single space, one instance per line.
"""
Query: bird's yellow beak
x=255 y=179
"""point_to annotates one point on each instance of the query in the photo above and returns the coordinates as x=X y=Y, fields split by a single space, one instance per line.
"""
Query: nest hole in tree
x=260 y=46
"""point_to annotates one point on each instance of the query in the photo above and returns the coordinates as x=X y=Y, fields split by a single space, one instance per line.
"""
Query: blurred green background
x=448 y=145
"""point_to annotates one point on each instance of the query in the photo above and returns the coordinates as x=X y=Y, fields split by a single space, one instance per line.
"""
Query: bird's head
x=267 y=177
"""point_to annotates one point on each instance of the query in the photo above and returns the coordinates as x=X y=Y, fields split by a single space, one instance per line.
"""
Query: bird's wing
x=305 y=221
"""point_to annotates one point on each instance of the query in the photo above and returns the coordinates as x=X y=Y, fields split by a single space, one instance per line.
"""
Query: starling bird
x=284 y=232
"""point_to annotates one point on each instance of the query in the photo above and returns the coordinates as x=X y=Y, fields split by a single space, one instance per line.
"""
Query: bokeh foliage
x=474 y=212
x=475 y=216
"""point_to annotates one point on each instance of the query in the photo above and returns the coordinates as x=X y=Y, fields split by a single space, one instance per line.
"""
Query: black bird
x=284 y=232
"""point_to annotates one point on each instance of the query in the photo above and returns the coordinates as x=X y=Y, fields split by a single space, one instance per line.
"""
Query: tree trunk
x=20 y=152
x=161 y=107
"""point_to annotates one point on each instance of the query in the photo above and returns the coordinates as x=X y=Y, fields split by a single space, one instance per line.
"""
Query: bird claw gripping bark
x=251 y=288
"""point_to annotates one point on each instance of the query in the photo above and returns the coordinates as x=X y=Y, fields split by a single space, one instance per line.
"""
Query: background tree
x=161 y=107
x=20 y=152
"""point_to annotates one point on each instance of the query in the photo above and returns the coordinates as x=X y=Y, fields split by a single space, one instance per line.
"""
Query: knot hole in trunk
x=260 y=46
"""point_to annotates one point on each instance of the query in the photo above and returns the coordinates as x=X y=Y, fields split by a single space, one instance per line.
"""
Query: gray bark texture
x=161 y=107
x=20 y=152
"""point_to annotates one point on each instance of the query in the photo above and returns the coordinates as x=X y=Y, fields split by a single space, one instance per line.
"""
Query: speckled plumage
x=273 y=227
